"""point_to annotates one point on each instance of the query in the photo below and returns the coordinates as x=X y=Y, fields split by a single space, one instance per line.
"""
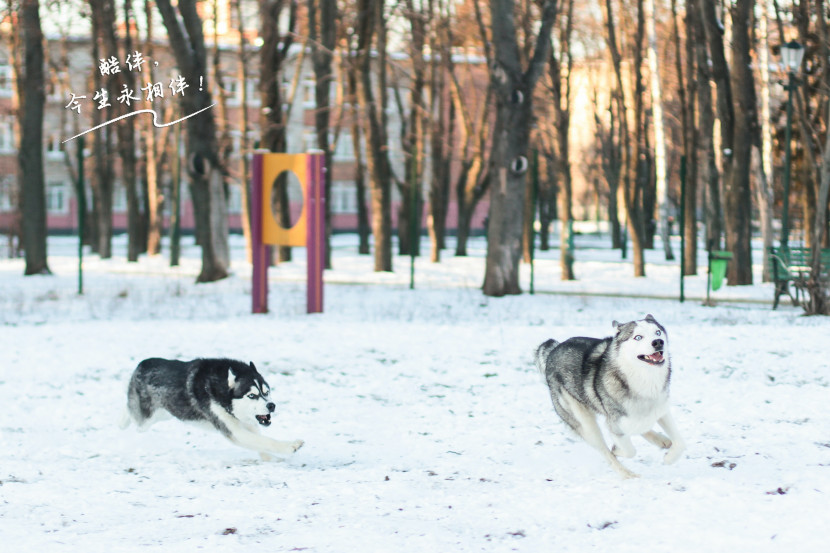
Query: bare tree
x=659 y=133
x=473 y=180
x=371 y=21
x=322 y=16
x=121 y=82
x=441 y=128
x=737 y=191
x=513 y=86
x=632 y=185
x=151 y=149
x=184 y=30
x=32 y=94
x=560 y=78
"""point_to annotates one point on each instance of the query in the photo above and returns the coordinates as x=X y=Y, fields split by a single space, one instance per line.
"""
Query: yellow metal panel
x=272 y=166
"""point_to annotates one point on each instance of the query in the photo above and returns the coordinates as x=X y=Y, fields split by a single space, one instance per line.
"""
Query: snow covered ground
x=426 y=426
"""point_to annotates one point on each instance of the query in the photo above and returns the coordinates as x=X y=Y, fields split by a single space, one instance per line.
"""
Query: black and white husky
x=229 y=395
x=624 y=377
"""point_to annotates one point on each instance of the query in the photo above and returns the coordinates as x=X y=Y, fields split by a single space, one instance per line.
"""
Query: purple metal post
x=259 y=251
x=315 y=233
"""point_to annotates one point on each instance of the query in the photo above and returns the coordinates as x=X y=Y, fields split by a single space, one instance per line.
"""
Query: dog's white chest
x=642 y=416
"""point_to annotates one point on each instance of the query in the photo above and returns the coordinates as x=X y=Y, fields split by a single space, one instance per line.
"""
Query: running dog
x=625 y=378
x=228 y=395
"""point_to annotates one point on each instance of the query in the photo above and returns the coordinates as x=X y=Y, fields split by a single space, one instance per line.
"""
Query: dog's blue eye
x=252 y=396
x=659 y=333
x=638 y=337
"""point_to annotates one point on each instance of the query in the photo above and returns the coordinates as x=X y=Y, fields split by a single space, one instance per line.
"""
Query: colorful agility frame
x=308 y=231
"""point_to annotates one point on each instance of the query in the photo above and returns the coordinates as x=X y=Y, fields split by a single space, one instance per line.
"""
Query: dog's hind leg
x=677 y=443
x=591 y=433
x=623 y=446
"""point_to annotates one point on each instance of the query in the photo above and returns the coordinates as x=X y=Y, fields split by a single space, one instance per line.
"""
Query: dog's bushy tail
x=541 y=353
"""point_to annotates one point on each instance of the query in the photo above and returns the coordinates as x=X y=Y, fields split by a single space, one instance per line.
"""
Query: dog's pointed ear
x=251 y=363
x=231 y=378
x=650 y=318
x=616 y=325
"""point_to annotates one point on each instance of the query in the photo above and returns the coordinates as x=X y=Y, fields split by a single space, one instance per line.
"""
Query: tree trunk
x=659 y=134
x=737 y=189
x=273 y=52
x=688 y=94
x=184 y=30
x=371 y=19
x=119 y=82
x=30 y=154
x=560 y=75
x=509 y=160
x=244 y=128
x=764 y=189
x=154 y=196
x=322 y=52
x=631 y=186
x=726 y=113
x=442 y=135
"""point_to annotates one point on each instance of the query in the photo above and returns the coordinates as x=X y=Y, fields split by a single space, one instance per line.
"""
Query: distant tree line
x=691 y=81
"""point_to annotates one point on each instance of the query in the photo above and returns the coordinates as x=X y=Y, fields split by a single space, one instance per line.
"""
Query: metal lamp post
x=791 y=55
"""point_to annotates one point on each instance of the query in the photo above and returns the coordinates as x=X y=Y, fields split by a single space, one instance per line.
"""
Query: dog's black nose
x=271 y=407
x=658 y=343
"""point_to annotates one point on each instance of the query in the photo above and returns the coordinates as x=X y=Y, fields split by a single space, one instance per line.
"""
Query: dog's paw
x=674 y=453
x=627 y=453
x=661 y=441
x=296 y=444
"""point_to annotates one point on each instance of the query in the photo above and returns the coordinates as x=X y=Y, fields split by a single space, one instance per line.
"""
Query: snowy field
x=426 y=426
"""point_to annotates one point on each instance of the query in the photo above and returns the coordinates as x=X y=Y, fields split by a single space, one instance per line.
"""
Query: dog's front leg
x=263 y=444
x=677 y=443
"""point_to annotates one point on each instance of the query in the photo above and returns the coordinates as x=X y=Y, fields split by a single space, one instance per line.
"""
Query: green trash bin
x=718 y=261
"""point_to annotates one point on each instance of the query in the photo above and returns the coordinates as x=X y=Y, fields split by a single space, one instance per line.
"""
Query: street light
x=791 y=55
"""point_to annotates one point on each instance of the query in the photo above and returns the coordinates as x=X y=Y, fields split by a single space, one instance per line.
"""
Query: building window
x=6 y=134
x=54 y=147
x=7 y=193
x=234 y=200
x=56 y=197
x=309 y=101
x=6 y=81
x=343 y=197
x=344 y=150
x=119 y=198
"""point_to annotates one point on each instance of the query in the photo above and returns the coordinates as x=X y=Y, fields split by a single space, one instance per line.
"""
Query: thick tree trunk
x=30 y=154
x=737 y=190
x=509 y=160
x=688 y=92
x=184 y=30
x=370 y=20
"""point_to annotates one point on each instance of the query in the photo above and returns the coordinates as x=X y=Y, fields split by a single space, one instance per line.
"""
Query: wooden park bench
x=793 y=265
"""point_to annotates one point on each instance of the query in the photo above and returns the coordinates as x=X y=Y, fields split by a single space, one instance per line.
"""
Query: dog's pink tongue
x=657 y=356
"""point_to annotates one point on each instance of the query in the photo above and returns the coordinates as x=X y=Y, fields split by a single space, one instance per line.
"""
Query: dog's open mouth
x=655 y=358
x=264 y=420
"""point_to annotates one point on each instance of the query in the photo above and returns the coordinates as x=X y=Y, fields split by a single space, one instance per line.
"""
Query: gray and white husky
x=624 y=377
x=230 y=396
